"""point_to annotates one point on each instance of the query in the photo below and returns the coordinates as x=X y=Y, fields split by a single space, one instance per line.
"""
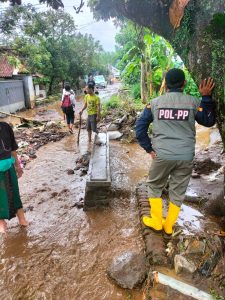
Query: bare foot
x=24 y=223
x=21 y=217
x=3 y=226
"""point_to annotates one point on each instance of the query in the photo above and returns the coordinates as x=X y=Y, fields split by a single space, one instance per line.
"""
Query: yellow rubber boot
x=171 y=218
x=155 y=221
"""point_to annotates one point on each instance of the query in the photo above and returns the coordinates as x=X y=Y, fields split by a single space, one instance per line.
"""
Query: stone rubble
x=200 y=255
x=128 y=269
x=30 y=139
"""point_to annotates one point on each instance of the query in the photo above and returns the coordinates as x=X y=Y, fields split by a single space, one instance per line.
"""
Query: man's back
x=174 y=125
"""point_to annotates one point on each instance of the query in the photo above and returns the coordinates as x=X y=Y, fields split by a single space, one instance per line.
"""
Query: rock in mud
x=54 y=194
x=196 y=247
x=33 y=156
x=83 y=172
x=193 y=197
x=216 y=206
x=182 y=264
x=29 y=208
x=219 y=269
x=123 y=119
x=29 y=140
x=83 y=161
x=195 y=175
x=115 y=135
x=79 y=204
x=128 y=270
x=113 y=127
x=205 y=166
x=50 y=124
x=155 y=249
x=70 y=172
x=78 y=167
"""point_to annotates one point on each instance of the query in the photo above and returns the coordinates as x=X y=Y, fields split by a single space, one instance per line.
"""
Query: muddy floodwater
x=65 y=251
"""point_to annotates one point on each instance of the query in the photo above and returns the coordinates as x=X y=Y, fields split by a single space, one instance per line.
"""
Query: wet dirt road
x=65 y=251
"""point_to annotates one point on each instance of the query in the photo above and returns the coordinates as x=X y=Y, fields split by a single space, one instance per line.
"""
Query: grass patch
x=216 y=296
x=122 y=104
x=49 y=99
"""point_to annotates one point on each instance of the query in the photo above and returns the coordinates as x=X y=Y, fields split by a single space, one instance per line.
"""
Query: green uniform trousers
x=177 y=171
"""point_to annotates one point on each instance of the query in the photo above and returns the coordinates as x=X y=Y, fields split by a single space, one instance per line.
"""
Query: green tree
x=144 y=58
x=199 y=40
x=53 y=3
x=48 y=43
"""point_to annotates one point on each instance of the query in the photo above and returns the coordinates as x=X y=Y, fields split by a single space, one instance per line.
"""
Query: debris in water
x=181 y=287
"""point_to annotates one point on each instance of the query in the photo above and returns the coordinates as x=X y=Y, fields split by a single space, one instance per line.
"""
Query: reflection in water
x=189 y=219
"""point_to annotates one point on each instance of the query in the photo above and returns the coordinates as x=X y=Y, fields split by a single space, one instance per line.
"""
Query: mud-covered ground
x=64 y=253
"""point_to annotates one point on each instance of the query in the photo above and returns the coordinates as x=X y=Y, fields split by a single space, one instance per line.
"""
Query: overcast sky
x=102 y=31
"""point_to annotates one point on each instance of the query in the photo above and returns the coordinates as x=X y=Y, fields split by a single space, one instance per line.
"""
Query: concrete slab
x=99 y=176
x=99 y=168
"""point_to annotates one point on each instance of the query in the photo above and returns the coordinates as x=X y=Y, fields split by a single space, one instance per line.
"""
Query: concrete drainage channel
x=99 y=176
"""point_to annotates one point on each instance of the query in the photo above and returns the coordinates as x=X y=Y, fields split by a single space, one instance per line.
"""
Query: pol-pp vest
x=174 y=126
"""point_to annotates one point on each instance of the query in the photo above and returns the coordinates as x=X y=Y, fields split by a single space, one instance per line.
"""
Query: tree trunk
x=149 y=70
x=50 y=88
x=143 y=85
x=150 y=81
x=200 y=39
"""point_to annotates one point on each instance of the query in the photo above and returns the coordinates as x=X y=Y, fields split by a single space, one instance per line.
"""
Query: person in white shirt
x=64 y=91
x=68 y=107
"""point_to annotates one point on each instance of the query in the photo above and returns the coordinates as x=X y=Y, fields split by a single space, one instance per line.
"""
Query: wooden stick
x=78 y=136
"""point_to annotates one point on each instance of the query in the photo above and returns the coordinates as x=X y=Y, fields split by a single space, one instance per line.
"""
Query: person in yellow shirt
x=92 y=104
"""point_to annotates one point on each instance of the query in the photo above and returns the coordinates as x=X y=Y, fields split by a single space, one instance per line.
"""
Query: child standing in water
x=92 y=103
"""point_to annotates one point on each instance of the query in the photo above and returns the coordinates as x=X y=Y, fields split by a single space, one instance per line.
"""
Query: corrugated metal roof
x=6 y=70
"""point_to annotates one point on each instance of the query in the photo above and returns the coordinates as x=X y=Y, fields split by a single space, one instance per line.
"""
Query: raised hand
x=206 y=87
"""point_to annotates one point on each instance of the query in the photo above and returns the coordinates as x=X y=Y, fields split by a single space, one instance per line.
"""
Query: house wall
x=28 y=88
x=11 y=96
x=29 y=91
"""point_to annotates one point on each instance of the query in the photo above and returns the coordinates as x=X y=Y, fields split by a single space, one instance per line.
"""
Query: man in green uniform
x=172 y=148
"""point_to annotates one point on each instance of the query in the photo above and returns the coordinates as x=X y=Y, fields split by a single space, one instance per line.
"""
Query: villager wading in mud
x=10 y=170
x=172 y=147
x=68 y=106
x=92 y=104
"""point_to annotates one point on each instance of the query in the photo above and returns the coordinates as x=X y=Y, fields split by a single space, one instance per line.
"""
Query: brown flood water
x=64 y=253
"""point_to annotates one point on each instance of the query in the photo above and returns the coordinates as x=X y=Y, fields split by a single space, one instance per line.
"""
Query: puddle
x=202 y=137
x=189 y=220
